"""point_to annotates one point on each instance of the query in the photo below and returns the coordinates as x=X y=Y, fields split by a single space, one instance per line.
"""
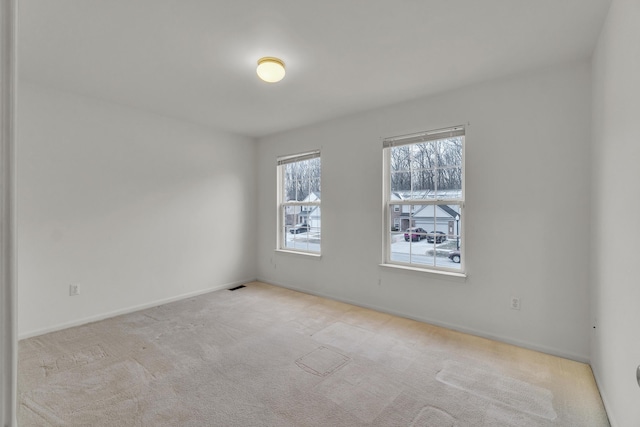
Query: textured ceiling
x=195 y=59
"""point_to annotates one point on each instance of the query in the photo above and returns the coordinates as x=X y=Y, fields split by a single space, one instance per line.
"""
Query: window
x=424 y=200
x=299 y=220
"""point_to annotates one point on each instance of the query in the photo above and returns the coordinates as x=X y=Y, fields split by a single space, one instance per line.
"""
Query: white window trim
x=281 y=205
x=388 y=144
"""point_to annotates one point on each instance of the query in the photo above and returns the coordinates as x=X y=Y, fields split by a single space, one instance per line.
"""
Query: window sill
x=309 y=254
x=451 y=274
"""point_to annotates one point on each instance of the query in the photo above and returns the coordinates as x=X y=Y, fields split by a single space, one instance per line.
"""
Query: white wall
x=527 y=217
x=615 y=346
x=135 y=208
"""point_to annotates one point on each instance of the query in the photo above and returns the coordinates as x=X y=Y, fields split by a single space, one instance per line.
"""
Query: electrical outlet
x=74 y=290
x=515 y=303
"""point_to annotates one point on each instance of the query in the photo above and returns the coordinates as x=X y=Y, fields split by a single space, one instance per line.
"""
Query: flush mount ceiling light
x=270 y=69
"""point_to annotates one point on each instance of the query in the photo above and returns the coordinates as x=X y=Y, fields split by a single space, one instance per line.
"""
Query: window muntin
x=299 y=212
x=424 y=177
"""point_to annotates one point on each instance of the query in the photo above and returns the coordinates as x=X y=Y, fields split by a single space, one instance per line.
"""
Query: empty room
x=339 y=213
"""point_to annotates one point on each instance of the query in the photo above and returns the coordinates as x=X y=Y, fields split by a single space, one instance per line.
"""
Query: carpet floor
x=268 y=356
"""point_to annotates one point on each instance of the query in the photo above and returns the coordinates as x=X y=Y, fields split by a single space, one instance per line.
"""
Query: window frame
x=282 y=204
x=388 y=204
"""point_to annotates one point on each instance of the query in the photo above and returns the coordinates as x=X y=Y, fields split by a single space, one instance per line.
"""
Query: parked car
x=299 y=228
x=455 y=256
x=415 y=234
x=438 y=236
x=395 y=228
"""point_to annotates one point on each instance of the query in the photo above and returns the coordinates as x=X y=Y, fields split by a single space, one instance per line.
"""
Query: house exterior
x=309 y=214
x=430 y=217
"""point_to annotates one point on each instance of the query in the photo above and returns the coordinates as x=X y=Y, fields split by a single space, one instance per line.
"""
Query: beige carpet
x=267 y=356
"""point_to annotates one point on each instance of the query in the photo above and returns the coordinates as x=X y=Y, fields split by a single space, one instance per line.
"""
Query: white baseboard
x=131 y=309
x=483 y=334
x=531 y=346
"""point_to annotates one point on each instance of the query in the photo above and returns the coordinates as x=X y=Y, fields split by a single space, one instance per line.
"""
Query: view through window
x=424 y=200
x=299 y=218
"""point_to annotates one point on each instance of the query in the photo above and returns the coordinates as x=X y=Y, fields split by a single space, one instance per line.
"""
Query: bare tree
x=433 y=165
x=302 y=178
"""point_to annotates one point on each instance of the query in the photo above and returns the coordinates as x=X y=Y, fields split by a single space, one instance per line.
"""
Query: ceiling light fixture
x=270 y=69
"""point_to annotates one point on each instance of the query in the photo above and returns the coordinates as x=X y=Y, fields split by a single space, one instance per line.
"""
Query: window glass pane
x=290 y=216
x=314 y=166
x=400 y=159
x=314 y=189
x=400 y=184
x=428 y=237
x=423 y=216
x=449 y=183
x=400 y=247
x=397 y=246
x=444 y=237
x=453 y=247
x=449 y=152
x=290 y=184
x=423 y=156
x=419 y=254
x=455 y=225
x=395 y=213
x=313 y=177
x=302 y=230
x=301 y=179
x=423 y=183
x=408 y=246
x=299 y=189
